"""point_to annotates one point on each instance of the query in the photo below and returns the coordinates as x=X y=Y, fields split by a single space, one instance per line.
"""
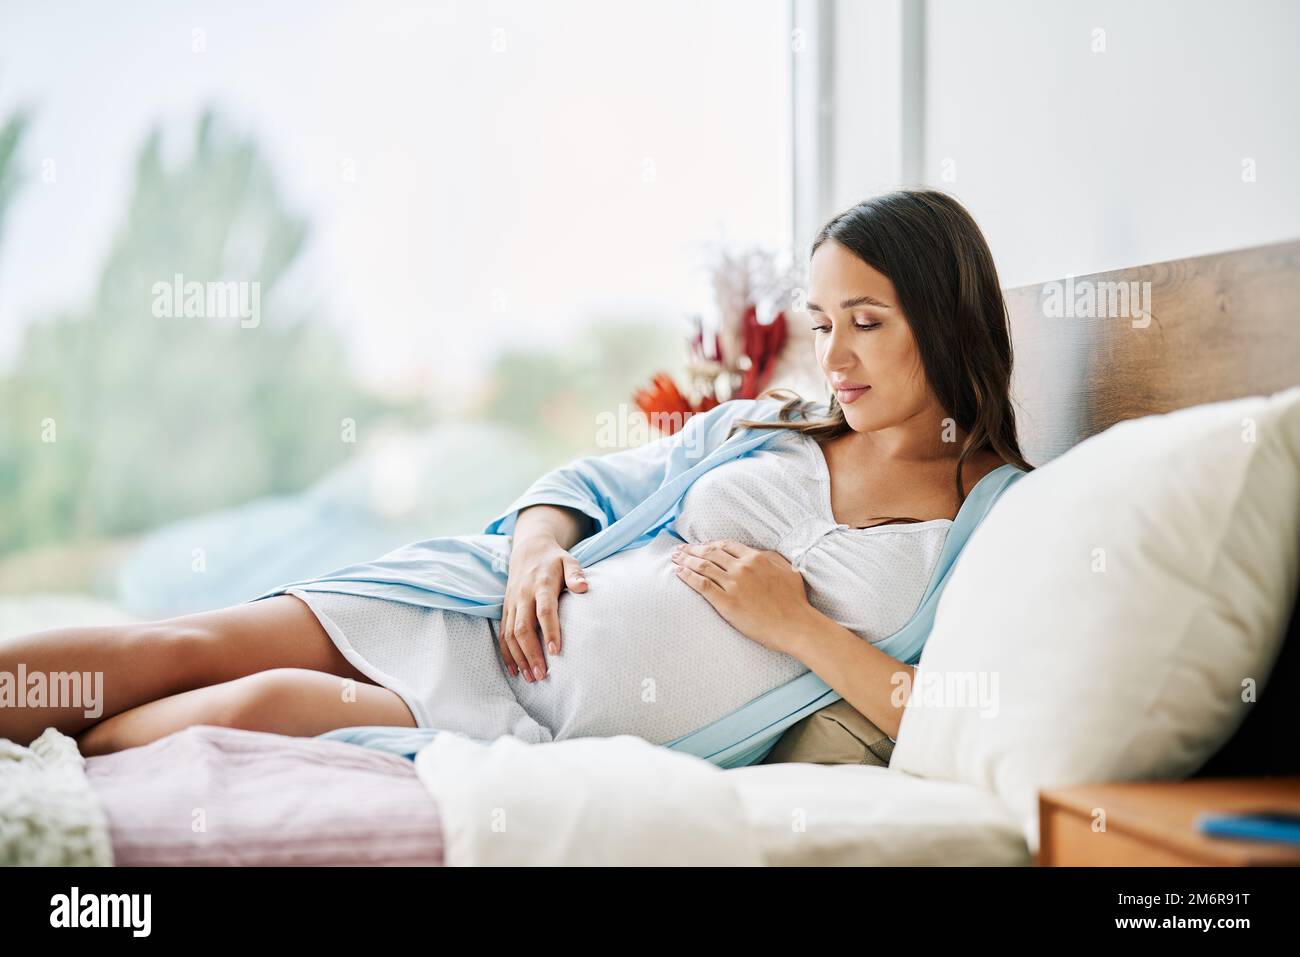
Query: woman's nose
x=837 y=354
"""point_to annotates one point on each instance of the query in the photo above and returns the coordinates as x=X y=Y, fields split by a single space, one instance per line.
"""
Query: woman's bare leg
x=291 y=701
x=125 y=666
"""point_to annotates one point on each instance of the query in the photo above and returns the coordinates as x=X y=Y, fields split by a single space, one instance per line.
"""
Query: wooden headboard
x=1221 y=327
x=1217 y=327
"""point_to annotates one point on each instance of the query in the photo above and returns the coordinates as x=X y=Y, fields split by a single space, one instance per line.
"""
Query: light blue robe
x=631 y=495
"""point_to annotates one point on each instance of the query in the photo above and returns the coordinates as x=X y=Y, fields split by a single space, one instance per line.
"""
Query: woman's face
x=862 y=338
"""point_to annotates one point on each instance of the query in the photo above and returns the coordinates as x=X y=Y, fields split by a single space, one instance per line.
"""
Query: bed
x=1214 y=328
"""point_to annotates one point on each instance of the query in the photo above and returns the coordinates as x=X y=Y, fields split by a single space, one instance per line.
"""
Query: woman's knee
x=264 y=700
x=299 y=701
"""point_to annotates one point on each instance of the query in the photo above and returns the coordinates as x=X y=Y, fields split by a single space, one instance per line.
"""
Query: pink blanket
x=218 y=796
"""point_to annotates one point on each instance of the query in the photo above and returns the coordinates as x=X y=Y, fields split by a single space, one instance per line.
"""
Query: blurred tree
x=11 y=135
x=113 y=419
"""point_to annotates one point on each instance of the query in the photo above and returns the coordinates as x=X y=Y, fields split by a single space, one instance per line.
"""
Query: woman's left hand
x=757 y=591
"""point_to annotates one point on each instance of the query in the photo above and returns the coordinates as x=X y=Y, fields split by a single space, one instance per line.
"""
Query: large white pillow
x=1118 y=603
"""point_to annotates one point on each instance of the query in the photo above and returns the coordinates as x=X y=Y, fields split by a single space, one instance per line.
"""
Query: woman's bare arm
x=566 y=526
x=867 y=678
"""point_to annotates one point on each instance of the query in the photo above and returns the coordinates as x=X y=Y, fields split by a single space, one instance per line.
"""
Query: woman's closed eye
x=856 y=325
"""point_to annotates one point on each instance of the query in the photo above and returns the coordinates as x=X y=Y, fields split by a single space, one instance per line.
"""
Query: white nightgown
x=643 y=652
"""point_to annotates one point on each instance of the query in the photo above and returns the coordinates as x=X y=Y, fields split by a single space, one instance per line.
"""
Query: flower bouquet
x=735 y=360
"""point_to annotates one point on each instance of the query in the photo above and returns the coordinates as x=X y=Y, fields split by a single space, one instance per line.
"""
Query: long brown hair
x=930 y=248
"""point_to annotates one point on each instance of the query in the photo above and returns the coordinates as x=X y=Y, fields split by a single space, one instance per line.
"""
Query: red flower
x=665 y=406
x=762 y=343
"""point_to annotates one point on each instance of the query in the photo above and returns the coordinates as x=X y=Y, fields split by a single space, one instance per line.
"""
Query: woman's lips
x=846 y=396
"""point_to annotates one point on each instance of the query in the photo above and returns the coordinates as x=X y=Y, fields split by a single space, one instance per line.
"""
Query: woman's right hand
x=540 y=568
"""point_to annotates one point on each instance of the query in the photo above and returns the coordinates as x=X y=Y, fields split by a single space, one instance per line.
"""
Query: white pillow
x=1117 y=603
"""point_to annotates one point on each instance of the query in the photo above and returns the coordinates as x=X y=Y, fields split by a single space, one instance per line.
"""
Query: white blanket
x=49 y=816
x=583 y=801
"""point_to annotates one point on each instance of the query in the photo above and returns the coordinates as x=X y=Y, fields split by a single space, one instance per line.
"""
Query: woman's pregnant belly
x=645 y=654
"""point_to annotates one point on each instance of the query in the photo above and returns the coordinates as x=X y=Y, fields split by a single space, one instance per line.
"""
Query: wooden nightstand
x=1152 y=824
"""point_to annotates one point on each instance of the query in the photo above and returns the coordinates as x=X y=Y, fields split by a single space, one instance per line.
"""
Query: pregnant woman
x=703 y=591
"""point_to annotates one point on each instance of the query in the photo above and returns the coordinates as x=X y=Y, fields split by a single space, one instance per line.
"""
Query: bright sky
x=518 y=166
